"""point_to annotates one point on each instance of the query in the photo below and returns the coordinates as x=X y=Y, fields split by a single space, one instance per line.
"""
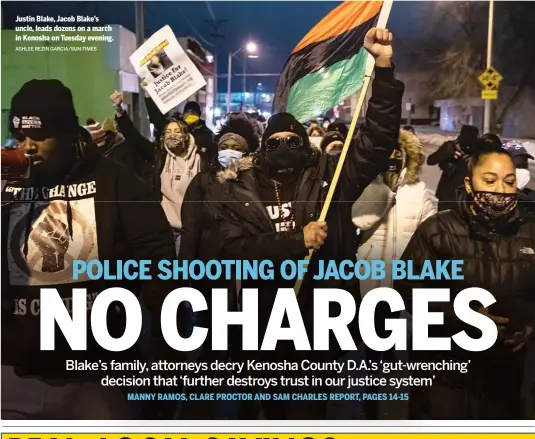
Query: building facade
x=92 y=76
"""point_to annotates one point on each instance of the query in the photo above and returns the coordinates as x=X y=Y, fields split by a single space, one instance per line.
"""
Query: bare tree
x=455 y=52
x=516 y=49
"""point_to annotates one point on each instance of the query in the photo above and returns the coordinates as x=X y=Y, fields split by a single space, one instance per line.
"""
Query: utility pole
x=488 y=104
x=143 y=122
x=217 y=36
x=229 y=81
x=244 y=80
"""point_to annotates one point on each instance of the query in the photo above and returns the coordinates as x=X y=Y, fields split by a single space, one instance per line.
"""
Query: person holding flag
x=273 y=204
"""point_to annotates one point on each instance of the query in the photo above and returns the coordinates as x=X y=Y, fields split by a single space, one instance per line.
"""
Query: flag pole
x=381 y=23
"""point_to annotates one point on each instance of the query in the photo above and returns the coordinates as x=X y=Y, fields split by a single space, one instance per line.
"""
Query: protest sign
x=170 y=74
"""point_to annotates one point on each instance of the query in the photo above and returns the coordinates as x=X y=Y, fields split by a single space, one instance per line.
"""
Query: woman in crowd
x=201 y=239
x=235 y=140
x=172 y=162
x=387 y=215
x=493 y=234
x=392 y=207
x=340 y=127
x=332 y=143
x=316 y=132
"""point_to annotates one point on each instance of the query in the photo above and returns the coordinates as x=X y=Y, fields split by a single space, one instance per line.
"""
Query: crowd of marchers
x=254 y=191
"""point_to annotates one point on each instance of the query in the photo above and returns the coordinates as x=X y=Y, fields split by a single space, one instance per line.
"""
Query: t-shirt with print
x=269 y=200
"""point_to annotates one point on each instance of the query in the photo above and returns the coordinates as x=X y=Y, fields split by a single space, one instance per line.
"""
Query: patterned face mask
x=494 y=205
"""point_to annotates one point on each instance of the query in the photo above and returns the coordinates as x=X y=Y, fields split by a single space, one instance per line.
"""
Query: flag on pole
x=329 y=63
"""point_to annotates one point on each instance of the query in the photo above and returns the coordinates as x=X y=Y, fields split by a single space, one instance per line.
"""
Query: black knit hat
x=340 y=127
x=193 y=107
x=43 y=108
x=285 y=122
x=330 y=137
x=468 y=135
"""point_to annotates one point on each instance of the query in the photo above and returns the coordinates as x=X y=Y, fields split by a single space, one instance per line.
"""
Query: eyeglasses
x=292 y=142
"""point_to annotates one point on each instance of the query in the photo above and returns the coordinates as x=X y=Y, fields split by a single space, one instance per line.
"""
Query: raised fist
x=116 y=99
x=144 y=84
x=51 y=238
x=378 y=42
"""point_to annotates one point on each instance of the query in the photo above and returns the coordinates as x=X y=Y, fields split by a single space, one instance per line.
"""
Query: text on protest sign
x=169 y=72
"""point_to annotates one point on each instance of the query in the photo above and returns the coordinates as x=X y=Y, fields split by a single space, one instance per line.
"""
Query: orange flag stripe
x=340 y=20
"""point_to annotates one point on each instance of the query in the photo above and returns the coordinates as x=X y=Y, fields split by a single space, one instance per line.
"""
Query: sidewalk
x=436 y=137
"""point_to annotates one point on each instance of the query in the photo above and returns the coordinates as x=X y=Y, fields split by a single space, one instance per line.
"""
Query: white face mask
x=522 y=178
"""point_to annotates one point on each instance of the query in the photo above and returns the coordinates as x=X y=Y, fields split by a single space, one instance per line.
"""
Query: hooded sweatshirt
x=175 y=177
x=89 y=213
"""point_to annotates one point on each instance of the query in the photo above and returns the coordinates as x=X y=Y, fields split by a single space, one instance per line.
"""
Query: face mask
x=190 y=119
x=394 y=165
x=286 y=160
x=228 y=156
x=494 y=205
x=173 y=141
x=522 y=178
x=334 y=152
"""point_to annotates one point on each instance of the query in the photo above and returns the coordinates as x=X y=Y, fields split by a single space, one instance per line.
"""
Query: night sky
x=276 y=26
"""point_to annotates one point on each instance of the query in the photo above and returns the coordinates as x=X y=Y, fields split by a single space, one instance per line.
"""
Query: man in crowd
x=75 y=205
x=452 y=158
x=520 y=158
x=273 y=204
x=204 y=137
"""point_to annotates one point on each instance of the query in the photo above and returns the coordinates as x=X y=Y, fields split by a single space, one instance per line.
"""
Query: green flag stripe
x=325 y=89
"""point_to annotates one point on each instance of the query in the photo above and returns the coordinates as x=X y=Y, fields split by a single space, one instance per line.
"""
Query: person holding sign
x=174 y=160
x=273 y=204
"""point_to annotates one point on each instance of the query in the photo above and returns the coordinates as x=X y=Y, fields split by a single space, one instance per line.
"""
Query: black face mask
x=286 y=160
x=394 y=165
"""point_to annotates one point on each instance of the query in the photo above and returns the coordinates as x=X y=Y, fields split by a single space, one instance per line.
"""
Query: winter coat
x=200 y=234
x=249 y=234
x=453 y=173
x=204 y=139
x=90 y=213
x=152 y=155
x=387 y=219
x=386 y=237
x=501 y=263
x=529 y=193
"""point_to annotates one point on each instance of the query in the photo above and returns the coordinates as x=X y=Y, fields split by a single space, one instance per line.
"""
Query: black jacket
x=204 y=139
x=453 y=173
x=151 y=157
x=117 y=149
x=529 y=193
x=93 y=213
x=200 y=234
x=502 y=263
x=249 y=234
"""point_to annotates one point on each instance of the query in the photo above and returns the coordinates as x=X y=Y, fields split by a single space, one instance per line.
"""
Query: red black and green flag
x=329 y=63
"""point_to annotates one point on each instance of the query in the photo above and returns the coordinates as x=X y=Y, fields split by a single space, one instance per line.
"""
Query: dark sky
x=276 y=26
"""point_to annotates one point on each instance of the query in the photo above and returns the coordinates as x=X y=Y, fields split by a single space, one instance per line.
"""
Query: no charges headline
x=74 y=324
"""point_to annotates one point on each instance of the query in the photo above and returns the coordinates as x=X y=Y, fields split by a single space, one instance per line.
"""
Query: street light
x=251 y=49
